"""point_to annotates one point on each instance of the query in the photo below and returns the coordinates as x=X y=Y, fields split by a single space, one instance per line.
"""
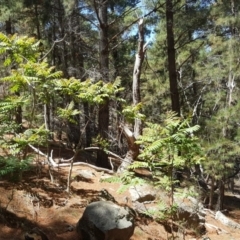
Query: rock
x=144 y=208
x=106 y=196
x=85 y=174
x=190 y=212
x=105 y=220
x=226 y=221
x=142 y=193
x=35 y=234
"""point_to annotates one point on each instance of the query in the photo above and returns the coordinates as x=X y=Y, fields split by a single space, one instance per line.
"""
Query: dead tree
x=131 y=136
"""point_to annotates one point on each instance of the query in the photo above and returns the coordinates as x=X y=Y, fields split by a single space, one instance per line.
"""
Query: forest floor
x=36 y=202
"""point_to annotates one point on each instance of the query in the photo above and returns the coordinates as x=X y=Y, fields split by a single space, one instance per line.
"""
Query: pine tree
x=218 y=72
x=175 y=46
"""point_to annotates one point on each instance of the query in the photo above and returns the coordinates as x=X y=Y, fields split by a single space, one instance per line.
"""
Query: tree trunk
x=8 y=26
x=137 y=74
x=103 y=114
x=211 y=194
x=88 y=132
x=172 y=71
x=103 y=121
x=63 y=51
x=133 y=148
x=18 y=116
x=221 y=189
x=37 y=21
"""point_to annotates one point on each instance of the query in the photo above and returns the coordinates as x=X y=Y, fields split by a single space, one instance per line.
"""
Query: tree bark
x=172 y=71
x=37 y=20
x=62 y=52
x=137 y=75
x=103 y=114
x=221 y=189
x=211 y=194
x=133 y=148
x=8 y=26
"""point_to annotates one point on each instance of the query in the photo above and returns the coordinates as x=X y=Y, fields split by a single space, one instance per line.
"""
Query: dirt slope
x=35 y=201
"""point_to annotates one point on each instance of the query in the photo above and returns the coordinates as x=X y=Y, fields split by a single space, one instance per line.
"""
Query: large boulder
x=104 y=220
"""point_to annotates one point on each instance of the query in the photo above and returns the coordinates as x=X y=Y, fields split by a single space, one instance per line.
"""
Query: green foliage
x=100 y=142
x=133 y=112
x=127 y=179
x=9 y=104
x=161 y=211
x=98 y=92
x=222 y=158
x=29 y=83
x=12 y=165
x=33 y=83
x=68 y=113
x=33 y=136
x=217 y=71
x=165 y=147
x=170 y=144
x=18 y=49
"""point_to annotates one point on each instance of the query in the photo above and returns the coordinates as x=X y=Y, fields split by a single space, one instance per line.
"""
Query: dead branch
x=50 y=159
x=54 y=164
x=107 y=151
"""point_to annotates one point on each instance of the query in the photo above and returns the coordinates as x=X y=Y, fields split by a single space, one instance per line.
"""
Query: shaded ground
x=35 y=201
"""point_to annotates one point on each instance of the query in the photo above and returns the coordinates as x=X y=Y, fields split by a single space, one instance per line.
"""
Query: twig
x=53 y=45
x=107 y=151
x=51 y=161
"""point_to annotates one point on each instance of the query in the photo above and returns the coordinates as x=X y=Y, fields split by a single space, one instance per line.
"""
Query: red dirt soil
x=36 y=202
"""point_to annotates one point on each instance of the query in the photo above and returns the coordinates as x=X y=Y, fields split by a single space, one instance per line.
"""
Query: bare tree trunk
x=133 y=148
x=172 y=71
x=137 y=74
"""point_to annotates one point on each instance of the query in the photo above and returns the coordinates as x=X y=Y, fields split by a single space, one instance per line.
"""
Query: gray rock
x=226 y=221
x=86 y=174
x=105 y=220
x=190 y=213
x=142 y=193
